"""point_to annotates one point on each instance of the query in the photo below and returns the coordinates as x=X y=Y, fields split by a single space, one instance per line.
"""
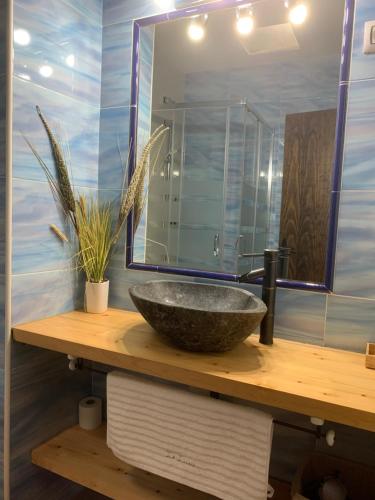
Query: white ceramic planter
x=96 y=297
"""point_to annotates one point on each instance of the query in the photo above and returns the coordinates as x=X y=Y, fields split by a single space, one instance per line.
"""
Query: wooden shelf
x=84 y=458
x=314 y=381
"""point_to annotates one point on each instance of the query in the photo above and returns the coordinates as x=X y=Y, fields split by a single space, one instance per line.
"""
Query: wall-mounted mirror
x=250 y=94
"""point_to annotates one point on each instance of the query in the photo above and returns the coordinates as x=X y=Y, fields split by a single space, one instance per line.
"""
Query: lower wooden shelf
x=84 y=458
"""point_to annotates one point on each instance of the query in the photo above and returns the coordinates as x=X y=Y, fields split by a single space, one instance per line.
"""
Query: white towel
x=214 y=446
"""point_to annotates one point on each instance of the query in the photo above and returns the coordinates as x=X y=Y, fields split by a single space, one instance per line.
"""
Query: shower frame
x=227 y=105
x=346 y=51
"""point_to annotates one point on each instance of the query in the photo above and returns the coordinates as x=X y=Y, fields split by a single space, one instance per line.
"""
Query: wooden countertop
x=314 y=381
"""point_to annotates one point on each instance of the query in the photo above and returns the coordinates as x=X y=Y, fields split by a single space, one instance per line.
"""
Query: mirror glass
x=250 y=98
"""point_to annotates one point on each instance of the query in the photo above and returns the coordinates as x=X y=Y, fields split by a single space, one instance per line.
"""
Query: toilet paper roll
x=90 y=413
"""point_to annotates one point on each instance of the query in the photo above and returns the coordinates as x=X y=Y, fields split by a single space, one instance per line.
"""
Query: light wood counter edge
x=203 y=379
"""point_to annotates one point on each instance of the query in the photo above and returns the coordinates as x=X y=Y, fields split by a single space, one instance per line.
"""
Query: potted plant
x=95 y=226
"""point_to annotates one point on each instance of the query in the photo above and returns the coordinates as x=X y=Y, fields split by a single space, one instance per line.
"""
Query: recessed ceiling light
x=21 y=37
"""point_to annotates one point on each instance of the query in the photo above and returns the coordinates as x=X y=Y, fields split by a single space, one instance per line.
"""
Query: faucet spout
x=251 y=276
x=269 y=274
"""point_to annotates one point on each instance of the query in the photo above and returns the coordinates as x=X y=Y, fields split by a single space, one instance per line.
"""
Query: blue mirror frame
x=327 y=286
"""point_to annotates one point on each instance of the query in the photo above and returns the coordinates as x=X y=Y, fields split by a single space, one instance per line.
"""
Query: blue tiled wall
x=305 y=316
x=95 y=92
x=66 y=36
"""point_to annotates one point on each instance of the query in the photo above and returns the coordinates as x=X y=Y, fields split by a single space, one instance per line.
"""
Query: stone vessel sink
x=197 y=317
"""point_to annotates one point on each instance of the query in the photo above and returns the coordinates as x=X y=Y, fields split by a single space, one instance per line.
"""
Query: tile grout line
x=65 y=96
x=57 y=270
x=38 y=181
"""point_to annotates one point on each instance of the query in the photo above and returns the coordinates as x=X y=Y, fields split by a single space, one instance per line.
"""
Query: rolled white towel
x=211 y=445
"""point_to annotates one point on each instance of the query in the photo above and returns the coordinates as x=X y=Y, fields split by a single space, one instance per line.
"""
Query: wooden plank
x=307 y=172
x=314 y=381
x=84 y=458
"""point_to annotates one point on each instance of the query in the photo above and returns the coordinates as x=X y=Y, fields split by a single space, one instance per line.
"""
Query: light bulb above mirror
x=244 y=21
x=197 y=28
x=298 y=12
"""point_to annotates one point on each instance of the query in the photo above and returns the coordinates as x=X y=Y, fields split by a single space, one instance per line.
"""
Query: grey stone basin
x=197 y=317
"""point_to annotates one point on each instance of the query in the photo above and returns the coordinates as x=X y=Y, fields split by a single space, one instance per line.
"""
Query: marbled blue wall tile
x=122 y=280
x=117 y=11
x=35 y=247
x=355 y=256
x=350 y=323
x=359 y=152
x=44 y=402
x=119 y=290
x=146 y=51
x=116 y=64
x=64 y=52
x=113 y=197
x=77 y=124
x=300 y=316
x=114 y=147
x=89 y=8
x=40 y=295
x=362 y=65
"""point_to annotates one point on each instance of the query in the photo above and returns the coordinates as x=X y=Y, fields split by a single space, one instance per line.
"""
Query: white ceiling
x=221 y=50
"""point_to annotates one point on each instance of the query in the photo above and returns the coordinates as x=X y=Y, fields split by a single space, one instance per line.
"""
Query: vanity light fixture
x=298 y=11
x=245 y=20
x=197 y=28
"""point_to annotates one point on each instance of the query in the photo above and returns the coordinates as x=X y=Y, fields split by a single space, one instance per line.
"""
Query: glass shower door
x=202 y=191
x=256 y=193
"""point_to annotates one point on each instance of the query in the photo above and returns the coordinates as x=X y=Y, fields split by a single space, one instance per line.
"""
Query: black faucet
x=269 y=274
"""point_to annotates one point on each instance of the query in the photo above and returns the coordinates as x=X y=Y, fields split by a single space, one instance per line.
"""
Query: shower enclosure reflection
x=193 y=194
x=248 y=160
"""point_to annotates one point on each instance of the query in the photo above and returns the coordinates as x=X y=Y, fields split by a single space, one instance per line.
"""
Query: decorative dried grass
x=66 y=190
x=59 y=233
x=133 y=195
x=96 y=231
x=94 y=224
